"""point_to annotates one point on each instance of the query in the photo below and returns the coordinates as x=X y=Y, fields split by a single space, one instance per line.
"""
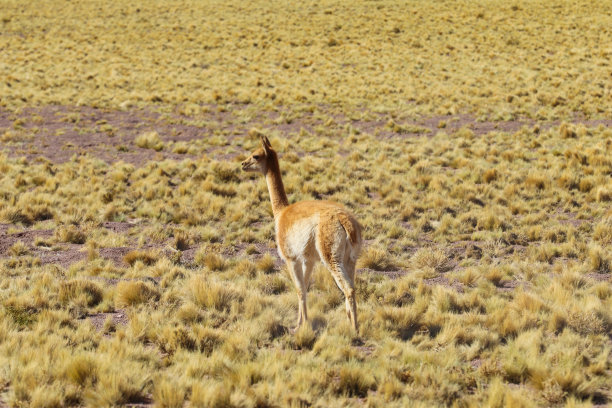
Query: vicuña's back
x=310 y=231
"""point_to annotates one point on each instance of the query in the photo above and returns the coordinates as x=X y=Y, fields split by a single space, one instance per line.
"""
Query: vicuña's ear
x=266 y=143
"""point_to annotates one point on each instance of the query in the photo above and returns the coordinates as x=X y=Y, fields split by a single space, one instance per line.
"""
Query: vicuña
x=310 y=231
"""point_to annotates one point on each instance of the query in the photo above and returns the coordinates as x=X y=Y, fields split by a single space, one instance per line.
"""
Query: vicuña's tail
x=352 y=228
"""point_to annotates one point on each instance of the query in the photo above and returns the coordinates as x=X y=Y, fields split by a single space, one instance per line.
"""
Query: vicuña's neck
x=276 y=188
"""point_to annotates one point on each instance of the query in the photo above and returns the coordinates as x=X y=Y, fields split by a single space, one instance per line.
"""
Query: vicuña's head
x=262 y=159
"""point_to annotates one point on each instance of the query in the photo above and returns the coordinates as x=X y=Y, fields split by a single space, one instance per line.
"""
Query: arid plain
x=472 y=140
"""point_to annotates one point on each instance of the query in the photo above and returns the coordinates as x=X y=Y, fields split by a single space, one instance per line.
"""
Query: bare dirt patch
x=58 y=133
x=599 y=277
x=442 y=280
x=64 y=257
x=25 y=236
x=118 y=317
x=64 y=253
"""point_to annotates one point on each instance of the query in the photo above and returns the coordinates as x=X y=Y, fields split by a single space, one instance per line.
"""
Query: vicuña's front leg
x=297 y=274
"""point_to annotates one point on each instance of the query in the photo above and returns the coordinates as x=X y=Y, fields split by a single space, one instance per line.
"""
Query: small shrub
x=585 y=323
x=568 y=181
x=490 y=221
x=469 y=277
x=495 y=275
x=21 y=316
x=92 y=253
x=545 y=252
x=117 y=389
x=553 y=392
x=46 y=396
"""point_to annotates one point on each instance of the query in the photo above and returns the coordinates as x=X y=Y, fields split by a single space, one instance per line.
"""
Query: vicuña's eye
x=256 y=157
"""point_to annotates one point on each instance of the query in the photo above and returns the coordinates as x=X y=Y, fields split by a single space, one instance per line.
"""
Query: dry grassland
x=505 y=59
x=471 y=139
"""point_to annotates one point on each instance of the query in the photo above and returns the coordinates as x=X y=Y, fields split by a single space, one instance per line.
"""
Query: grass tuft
x=146 y=257
x=354 y=381
x=265 y=264
x=375 y=258
x=71 y=234
x=131 y=293
x=272 y=284
x=304 y=338
x=168 y=394
x=212 y=295
x=19 y=249
x=211 y=394
x=209 y=259
x=149 y=140
x=87 y=292
x=427 y=258
x=81 y=370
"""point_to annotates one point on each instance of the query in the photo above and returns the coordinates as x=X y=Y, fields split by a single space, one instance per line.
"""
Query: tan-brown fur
x=310 y=231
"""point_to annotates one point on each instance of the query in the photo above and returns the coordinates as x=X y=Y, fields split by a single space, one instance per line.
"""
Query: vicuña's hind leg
x=342 y=276
x=351 y=301
x=333 y=250
x=297 y=274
